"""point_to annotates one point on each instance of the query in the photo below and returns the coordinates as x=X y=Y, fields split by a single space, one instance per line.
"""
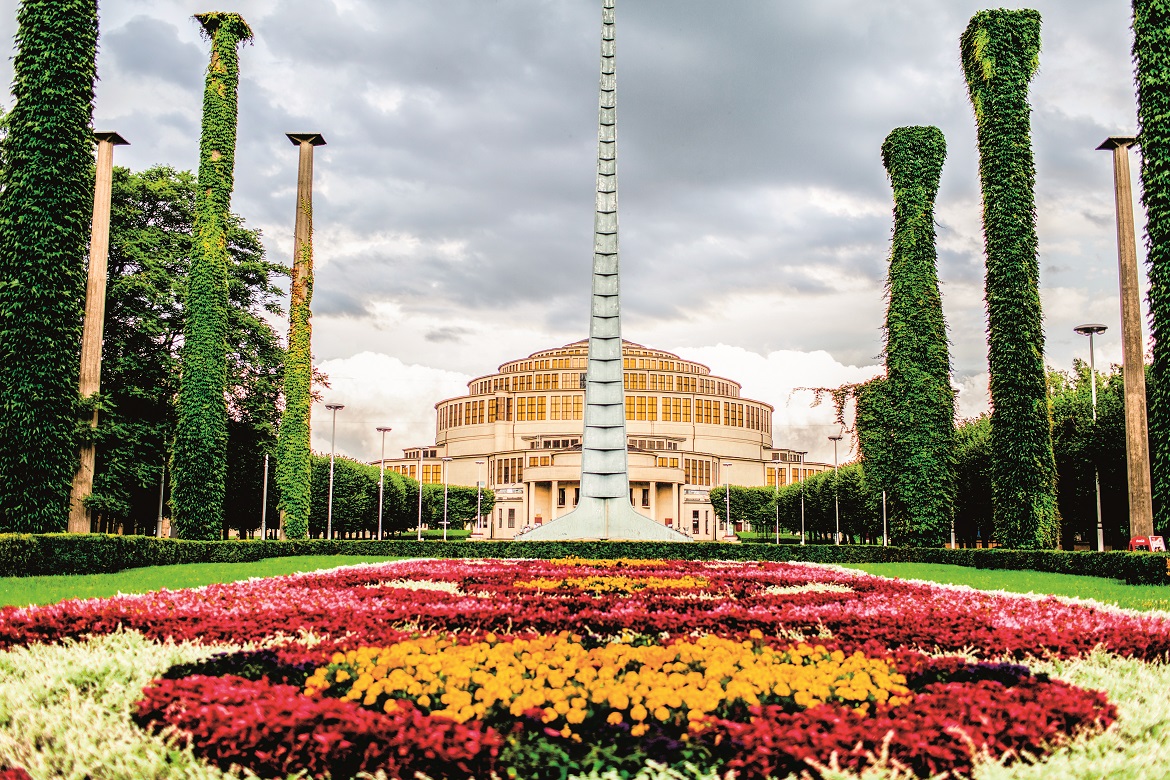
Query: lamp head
x=479 y=463
x=447 y=459
x=384 y=430
x=838 y=437
x=1091 y=329
x=334 y=407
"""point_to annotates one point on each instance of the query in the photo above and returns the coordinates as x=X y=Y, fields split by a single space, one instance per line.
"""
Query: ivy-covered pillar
x=918 y=364
x=200 y=457
x=1151 y=53
x=1000 y=53
x=293 y=467
x=46 y=192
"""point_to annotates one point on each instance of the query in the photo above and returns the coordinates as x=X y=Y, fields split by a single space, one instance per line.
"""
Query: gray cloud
x=458 y=177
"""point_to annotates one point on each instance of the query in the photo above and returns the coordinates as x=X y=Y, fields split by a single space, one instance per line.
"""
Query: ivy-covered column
x=1000 y=52
x=293 y=467
x=1151 y=53
x=201 y=431
x=46 y=196
x=918 y=364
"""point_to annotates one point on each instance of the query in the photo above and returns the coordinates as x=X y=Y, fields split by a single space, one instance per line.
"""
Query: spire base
x=610 y=519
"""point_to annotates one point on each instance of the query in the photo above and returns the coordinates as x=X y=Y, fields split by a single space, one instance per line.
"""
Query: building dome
x=519 y=431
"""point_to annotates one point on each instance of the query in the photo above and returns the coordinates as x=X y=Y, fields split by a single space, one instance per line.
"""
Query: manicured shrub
x=1000 y=53
x=29 y=554
x=46 y=205
x=200 y=449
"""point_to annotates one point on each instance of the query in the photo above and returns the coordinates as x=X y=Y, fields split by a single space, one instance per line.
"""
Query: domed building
x=519 y=432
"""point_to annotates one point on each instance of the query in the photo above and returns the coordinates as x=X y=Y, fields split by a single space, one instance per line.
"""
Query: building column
x=675 y=496
x=654 y=501
x=529 y=503
x=552 y=500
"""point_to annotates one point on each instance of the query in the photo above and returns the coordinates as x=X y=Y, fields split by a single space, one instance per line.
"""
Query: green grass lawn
x=1110 y=591
x=51 y=589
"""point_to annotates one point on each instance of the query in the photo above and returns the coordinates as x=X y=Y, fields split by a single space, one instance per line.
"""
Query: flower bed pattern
x=539 y=668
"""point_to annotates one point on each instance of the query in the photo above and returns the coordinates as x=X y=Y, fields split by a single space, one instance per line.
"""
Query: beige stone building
x=519 y=431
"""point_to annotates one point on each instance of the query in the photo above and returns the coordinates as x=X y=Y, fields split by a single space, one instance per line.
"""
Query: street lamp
x=381 y=477
x=445 y=462
x=332 y=451
x=727 y=495
x=420 y=467
x=1090 y=330
x=801 y=477
x=776 y=492
x=836 y=498
x=479 y=495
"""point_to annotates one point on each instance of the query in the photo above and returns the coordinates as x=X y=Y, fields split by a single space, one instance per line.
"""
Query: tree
x=1000 y=53
x=917 y=389
x=152 y=215
x=46 y=202
x=1151 y=53
x=973 y=459
x=201 y=435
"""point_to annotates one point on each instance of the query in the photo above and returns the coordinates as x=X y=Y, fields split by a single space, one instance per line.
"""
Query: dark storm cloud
x=460 y=165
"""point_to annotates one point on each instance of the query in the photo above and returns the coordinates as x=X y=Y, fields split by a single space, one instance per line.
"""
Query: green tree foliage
x=973 y=459
x=917 y=389
x=859 y=501
x=200 y=454
x=1000 y=53
x=46 y=202
x=1151 y=53
x=152 y=216
x=1082 y=446
x=753 y=506
x=355 y=501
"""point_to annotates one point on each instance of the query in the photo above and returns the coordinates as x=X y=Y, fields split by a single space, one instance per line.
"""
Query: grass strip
x=1143 y=597
x=25 y=591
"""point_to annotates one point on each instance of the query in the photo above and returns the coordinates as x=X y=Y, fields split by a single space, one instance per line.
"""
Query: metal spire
x=604 y=511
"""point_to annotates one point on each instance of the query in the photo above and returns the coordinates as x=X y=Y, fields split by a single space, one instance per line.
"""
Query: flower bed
x=547 y=668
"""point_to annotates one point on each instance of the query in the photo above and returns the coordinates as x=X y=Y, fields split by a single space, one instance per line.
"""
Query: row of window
x=505 y=471
x=548 y=364
x=652 y=364
x=654 y=444
x=669 y=383
x=415 y=454
x=697 y=472
x=432 y=474
x=779 y=477
x=571 y=407
x=554 y=444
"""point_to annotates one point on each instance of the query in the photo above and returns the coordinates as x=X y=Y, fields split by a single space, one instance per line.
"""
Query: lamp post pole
x=1137 y=448
x=727 y=496
x=836 y=498
x=264 y=502
x=801 y=478
x=1091 y=330
x=381 y=477
x=479 y=495
x=445 y=462
x=420 y=468
x=332 y=452
x=885 y=529
x=776 y=498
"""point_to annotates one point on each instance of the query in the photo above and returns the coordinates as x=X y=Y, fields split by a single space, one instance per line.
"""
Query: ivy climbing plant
x=918 y=436
x=1000 y=53
x=46 y=202
x=293 y=465
x=200 y=455
x=1151 y=53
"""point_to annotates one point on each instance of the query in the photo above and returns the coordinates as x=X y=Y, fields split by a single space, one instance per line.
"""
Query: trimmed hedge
x=32 y=554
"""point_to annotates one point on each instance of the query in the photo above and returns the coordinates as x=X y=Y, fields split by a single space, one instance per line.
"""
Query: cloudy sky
x=454 y=200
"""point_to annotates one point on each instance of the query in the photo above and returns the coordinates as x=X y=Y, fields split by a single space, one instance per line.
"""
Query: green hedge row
x=31 y=554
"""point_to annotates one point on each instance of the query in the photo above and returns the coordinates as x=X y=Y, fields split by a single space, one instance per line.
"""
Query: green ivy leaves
x=1023 y=472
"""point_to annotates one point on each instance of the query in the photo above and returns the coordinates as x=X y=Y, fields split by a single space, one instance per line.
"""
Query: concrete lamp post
x=94 y=322
x=381 y=477
x=729 y=532
x=332 y=452
x=420 y=480
x=445 y=462
x=1137 y=445
x=836 y=498
x=1091 y=330
x=479 y=495
x=801 y=478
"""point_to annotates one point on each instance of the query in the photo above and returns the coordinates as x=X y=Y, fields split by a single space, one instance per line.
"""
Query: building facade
x=519 y=432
